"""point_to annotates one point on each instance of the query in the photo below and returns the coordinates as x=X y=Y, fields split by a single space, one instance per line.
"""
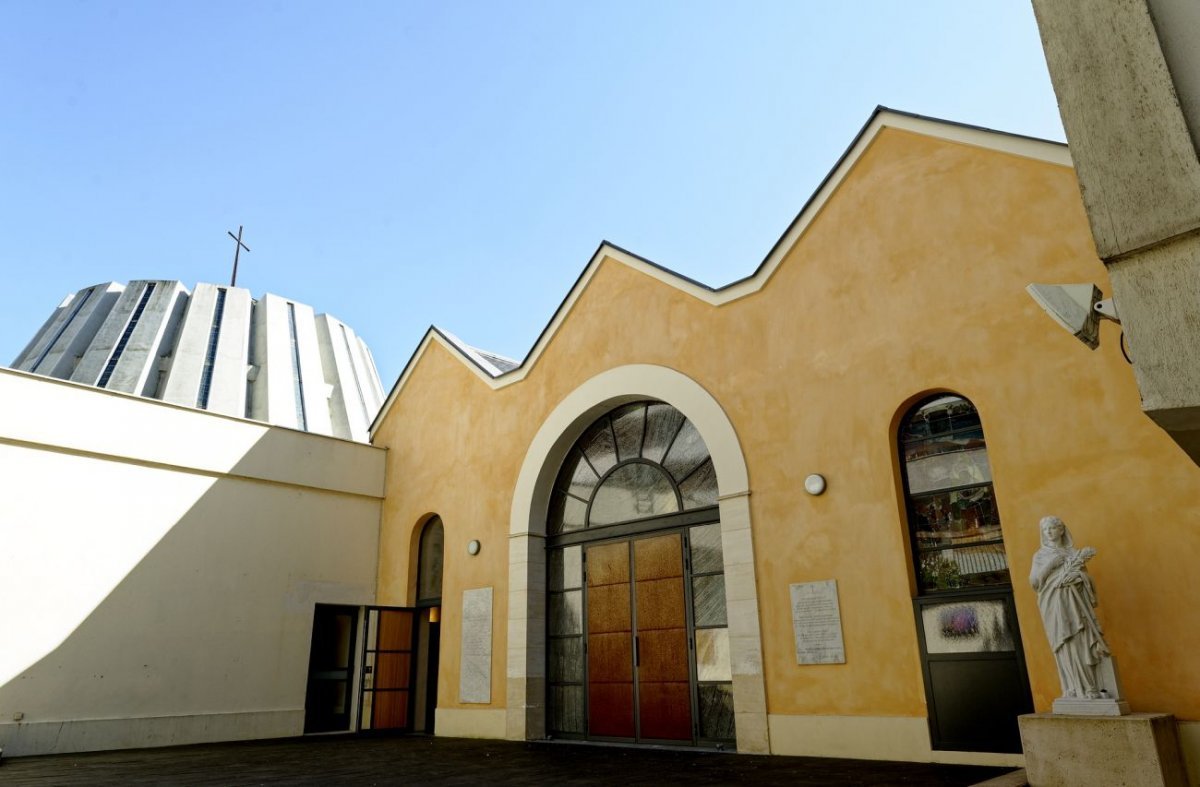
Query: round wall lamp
x=814 y=484
x=473 y=547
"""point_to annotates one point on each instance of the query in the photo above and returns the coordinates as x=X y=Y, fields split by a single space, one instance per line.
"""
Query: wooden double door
x=640 y=673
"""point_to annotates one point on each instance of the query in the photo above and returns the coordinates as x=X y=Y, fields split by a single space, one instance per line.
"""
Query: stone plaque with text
x=817 y=621
x=475 y=668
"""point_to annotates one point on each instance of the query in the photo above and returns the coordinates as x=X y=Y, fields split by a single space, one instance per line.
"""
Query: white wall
x=161 y=566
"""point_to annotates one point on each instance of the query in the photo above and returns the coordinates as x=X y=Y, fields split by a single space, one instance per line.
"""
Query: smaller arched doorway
x=429 y=617
x=401 y=652
x=638 y=635
x=971 y=656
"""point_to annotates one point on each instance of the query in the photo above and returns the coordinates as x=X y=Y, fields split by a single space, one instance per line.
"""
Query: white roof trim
x=1025 y=147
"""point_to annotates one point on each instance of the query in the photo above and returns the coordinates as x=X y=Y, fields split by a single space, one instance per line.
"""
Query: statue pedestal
x=1065 y=706
x=1068 y=750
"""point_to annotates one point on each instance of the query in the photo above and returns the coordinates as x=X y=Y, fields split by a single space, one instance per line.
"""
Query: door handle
x=637 y=652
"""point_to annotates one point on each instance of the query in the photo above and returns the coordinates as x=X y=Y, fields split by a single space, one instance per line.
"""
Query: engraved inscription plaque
x=475 y=669
x=817 y=621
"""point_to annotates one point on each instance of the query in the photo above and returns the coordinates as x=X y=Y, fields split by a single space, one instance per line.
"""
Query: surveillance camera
x=1073 y=306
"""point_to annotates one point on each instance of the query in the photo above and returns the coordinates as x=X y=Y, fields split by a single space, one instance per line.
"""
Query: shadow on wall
x=160 y=604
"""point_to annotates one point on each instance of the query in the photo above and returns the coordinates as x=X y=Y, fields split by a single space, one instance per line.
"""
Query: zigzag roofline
x=882 y=117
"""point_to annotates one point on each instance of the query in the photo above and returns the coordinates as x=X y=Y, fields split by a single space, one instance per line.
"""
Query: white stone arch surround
x=526 y=674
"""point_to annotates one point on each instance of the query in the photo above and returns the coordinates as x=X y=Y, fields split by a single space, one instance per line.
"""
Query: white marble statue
x=1067 y=600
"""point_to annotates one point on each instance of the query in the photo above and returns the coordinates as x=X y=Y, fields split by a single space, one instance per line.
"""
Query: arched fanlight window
x=429 y=562
x=952 y=516
x=639 y=461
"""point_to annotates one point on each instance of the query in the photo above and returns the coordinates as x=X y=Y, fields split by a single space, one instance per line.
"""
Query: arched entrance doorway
x=638 y=636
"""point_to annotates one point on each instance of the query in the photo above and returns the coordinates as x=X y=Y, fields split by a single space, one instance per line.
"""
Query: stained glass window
x=429 y=561
x=639 y=461
x=952 y=515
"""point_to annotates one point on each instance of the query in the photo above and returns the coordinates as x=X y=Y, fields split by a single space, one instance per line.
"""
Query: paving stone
x=331 y=760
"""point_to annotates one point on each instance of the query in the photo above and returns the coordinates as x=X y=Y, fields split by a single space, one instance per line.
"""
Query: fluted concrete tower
x=215 y=348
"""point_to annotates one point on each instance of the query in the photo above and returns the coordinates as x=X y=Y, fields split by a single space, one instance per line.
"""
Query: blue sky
x=398 y=164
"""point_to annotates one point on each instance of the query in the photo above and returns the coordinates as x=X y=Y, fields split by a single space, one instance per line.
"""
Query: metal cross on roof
x=237 y=249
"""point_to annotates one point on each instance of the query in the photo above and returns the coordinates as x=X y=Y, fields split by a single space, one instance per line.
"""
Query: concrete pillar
x=1127 y=77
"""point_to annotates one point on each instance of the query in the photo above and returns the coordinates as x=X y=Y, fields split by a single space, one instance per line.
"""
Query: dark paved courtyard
x=418 y=760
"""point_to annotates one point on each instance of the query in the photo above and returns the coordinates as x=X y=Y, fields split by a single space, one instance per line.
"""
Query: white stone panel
x=109 y=333
x=50 y=329
x=475 y=670
x=70 y=347
x=187 y=364
x=273 y=395
x=138 y=367
x=339 y=418
x=350 y=413
x=368 y=371
x=314 y=389
x=227 y=393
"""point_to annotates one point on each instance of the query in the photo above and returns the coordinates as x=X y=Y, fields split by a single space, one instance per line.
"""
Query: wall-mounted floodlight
x=1076 y=307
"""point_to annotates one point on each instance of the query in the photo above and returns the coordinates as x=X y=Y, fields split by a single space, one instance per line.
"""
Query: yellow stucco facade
x=904 y=276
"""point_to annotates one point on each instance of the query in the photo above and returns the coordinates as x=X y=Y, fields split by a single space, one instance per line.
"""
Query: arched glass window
x=640 y=461
x=952 y=517
x=429 y=563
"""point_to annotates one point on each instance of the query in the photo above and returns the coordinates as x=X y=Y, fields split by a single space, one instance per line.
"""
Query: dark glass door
x=330 y=669
x=974 y=670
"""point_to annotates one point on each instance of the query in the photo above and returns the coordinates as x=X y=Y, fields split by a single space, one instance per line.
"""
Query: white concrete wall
x=187 y=363
x=138 y=368
x=227 y=389
x=316 y=391
x=227 y=393
x=253 y=374
x=75 y=335
x=354 y=398
x=162 y=564
x=94 y=358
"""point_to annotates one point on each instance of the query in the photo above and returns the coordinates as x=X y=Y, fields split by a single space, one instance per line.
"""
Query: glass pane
x=968 y=627
x=331 y=640
x=712 y=655
x=598 y=444
x=577 y=476
x=948 y=569
x=941 y=416
x=566 y=660
x=365 y=710
x=708 y=600
x=686 y=453
x=967 y=516
x=566 y=568
x=700 y=488
x=567 y=704
x=628 y=423
x=566 y=612
x=706 y=548
x=716 y=712
x=633 y=491
x=942 y=464
x=429 y=570
x=662 y=422
x=566 y=513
